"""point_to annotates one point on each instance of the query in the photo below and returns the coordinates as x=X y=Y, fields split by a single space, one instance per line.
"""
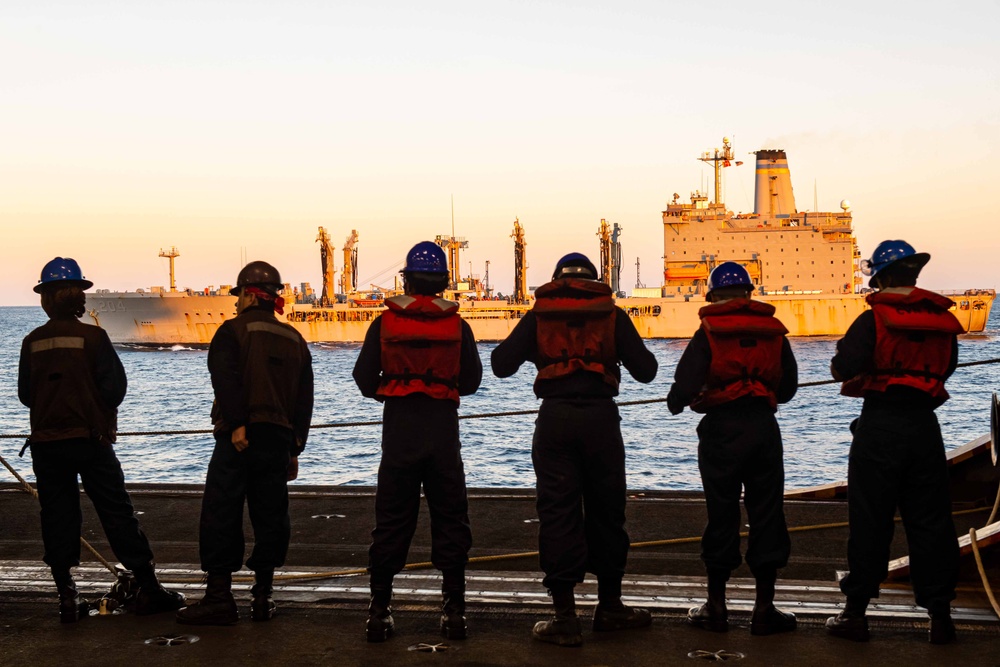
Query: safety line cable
x=482 y=415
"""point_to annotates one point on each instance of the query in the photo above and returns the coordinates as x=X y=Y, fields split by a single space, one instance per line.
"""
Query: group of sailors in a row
x=419 y=357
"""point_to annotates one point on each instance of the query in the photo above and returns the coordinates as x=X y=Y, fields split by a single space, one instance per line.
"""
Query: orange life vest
x=421 y=341
x=746 y=340
x=913 y=343
x=575 y=329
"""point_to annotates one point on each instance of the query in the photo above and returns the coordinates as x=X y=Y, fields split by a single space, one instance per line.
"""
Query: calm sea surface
x=170 y=389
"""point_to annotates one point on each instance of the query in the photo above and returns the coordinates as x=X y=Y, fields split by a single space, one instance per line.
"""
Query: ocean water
x=170 y=389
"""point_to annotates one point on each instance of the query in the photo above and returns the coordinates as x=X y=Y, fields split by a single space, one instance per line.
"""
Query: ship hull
x=182 y=318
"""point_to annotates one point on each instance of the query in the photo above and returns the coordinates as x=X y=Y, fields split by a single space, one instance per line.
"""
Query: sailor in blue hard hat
x=900 y=257
x=62 y=272
x=419 y=358
x=579 y=339
x=897 y=357
x=728 y=280
x=575 y=265
x=72 y=380
x=736 y=369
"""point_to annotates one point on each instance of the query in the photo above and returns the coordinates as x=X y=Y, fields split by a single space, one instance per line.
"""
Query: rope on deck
x=482 y=415
x=29 y=489
x=982 y=571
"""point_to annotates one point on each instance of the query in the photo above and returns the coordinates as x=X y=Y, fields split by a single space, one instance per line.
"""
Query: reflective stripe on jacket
x=421 y=341
x=913 y=343
x=575 y=330
x=746 y=340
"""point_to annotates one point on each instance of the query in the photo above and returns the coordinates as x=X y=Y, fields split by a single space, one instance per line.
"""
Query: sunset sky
x=231 y=127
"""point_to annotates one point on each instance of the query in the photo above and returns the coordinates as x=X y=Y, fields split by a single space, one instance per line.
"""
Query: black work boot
x=71 y=607
x=766 y=618
x=453 y=615
x=262 y=607
x=942 y=628
x=611 y=614
x=851 y=623
x=380 y=625
x=564 y=628
x=713 y=615
x=152 y=598
x=218 y=607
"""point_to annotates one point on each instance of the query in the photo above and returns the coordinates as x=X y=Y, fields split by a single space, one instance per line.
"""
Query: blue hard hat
x=575 y=265
x=426 y=257
x=62 y=270
x=888 y=253
x=729 y=274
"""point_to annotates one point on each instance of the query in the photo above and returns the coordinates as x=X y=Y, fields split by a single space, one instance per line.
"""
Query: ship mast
x=520 y=265
x=719 y=160
x=326 y=261
x=349 y=275
x=171 y=255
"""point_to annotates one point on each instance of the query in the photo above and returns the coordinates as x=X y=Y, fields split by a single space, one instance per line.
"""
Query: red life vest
x=913 y=342
x=575 y=329
x=421 y=340
x=746 y=340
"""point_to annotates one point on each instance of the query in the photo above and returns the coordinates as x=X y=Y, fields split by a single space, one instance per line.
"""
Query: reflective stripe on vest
x=913 y=343
x=575 y=329
x=746 y=340
x=421 y=341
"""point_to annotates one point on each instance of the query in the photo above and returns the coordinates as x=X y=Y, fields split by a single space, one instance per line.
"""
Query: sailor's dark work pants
x=420 y=447
x=898 y=460
x=739 y=448
x=56 y=465
x=579 y=460
x=257 y=476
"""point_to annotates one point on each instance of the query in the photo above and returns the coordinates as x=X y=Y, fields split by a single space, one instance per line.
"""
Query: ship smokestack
x=773 y=196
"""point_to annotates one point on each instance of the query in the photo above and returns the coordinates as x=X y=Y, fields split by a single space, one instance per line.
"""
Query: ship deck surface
x=322 y=620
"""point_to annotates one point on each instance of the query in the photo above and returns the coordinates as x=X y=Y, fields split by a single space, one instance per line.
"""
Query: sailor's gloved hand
x=674 y=405
x=293 y=468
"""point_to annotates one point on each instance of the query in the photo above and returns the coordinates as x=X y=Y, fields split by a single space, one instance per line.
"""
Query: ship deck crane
x=349 y=275
x=520 y=264
x=327 y=265
x=611 y=254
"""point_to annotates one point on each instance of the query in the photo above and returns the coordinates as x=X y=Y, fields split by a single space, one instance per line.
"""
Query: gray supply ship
x=803 y=263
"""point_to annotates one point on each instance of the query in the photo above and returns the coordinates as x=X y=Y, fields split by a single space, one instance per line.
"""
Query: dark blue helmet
x=729 y=274
x=575 y=265
x=888 y=253
x=62 y=270
x=426 y=257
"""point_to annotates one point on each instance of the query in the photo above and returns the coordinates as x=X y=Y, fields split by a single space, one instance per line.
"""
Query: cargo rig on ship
x=804 y=263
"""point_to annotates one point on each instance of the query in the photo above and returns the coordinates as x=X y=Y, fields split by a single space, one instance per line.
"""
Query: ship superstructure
x=784 y=250
x=804 y=263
